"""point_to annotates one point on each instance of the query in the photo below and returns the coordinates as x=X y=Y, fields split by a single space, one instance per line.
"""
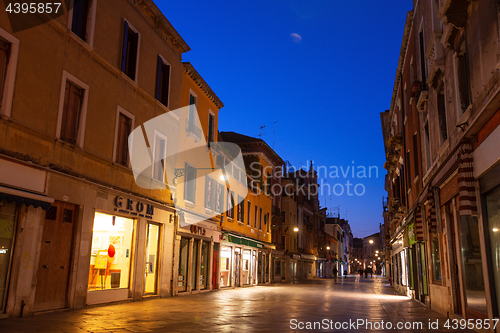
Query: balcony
x=193 y=131
x=454 y=12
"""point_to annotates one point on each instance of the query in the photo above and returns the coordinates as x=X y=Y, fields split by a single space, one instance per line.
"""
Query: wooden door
x=55 y=257
x=215 y=263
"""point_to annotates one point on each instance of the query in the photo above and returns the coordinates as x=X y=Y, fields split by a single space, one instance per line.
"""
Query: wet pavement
x=353 y=304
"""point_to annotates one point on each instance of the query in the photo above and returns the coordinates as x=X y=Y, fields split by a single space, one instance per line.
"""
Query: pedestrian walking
x=335 y=271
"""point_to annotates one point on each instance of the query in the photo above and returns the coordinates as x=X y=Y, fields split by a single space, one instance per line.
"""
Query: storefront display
x=225 y=266
x=111 y=252
x=247 y=269
x=7 y=227
x=493 y=214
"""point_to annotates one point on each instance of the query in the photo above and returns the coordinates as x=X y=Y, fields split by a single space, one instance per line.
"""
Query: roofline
x=188 y=67
x=402 y=56
x=163 y=20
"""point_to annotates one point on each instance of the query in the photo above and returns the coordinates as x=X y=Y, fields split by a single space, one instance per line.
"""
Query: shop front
x=307 y=266
x=243 y=262
x=131 y=249
x=197 y=258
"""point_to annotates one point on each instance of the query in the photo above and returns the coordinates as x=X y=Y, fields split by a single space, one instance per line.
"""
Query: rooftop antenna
x=261 y=134
x=273 y=131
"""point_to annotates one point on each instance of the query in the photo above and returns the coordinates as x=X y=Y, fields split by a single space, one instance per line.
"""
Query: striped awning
x=431 y=213
x=419 y=224
x=467 y=204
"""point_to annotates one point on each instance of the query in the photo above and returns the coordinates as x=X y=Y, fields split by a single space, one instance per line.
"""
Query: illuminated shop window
x=111 y=252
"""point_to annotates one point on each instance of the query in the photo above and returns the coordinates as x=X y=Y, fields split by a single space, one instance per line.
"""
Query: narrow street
x=353 y=304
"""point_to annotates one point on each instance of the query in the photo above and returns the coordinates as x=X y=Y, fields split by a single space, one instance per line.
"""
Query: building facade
x=440 y=134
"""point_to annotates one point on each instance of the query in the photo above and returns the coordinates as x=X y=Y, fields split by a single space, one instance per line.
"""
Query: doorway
x=55 y=257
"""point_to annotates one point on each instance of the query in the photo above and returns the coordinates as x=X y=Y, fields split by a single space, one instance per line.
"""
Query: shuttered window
x=162 y=81
x=73 y=99
x=190 y=183
x=124 y=128
x=80 y=17
x=129 y=52
x=4 y=60
x=159 y=158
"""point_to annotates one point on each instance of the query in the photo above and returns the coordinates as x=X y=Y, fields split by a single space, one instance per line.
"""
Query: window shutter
x=158 y=78
x=125 y=43
x=165 y=86
x=4 y=60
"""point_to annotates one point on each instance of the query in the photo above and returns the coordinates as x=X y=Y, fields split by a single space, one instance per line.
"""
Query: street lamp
x=370 y=241
x=296 y=229
x=328 y=248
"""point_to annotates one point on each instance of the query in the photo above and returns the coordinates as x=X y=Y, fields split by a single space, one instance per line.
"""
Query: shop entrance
x=55 y=257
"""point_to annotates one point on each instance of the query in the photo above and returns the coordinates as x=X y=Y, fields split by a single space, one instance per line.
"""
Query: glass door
x=225 y=266
x=204 y=265
x=194 y=265
x=151 y=271
x=183 y=261
x=246 y=266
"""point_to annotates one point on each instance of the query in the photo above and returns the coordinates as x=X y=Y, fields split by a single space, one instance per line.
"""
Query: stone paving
x=278 y=308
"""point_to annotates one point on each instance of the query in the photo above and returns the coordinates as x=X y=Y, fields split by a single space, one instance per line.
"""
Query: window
x=162 y=81
x=123 y=130
x=193 y=102
x=210 y=193
x=255 y=217
x=462 y=67
x=160 y=154
x=82 y=18
x=241 y=208
x=415 y=155
x=230 y=203
x=9 y=47
x=72 y=110
x=427 y=147
x=443 y=130
x=73 y=99
x=219 y=197
x=436 y=257
x=422 y=60
x=248 y=212
x=268 y=184
x=130 y=52
x=211 y=127
x=260 y=218
x=4 y=61
x=190 y=183
x=266 y=220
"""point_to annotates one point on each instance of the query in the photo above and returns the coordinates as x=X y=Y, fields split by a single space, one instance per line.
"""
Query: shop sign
x=133 y=208
x=198 y=230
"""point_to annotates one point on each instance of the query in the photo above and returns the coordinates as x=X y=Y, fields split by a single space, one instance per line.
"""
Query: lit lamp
x=328 y=248
x=370 y=241
x=296 y=229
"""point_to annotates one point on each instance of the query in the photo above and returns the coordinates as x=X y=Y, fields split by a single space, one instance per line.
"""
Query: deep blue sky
x=326 y=91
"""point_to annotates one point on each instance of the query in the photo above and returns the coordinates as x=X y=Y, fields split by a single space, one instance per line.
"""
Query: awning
x=21 y=197
x=242 y=241
x=308 y=256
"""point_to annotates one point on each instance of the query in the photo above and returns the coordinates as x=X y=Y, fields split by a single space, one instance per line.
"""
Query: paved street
x=278 y=308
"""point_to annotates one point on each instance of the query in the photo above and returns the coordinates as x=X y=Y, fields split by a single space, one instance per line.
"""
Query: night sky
x=324 y=70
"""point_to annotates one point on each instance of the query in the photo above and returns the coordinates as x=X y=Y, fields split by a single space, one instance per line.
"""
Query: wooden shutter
x=210 y=128
x=158 y=78
x=80 y=14
x=4 y=60
x=124 y=128
x=125 y=47
x=71 y=113
x=165 y=84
